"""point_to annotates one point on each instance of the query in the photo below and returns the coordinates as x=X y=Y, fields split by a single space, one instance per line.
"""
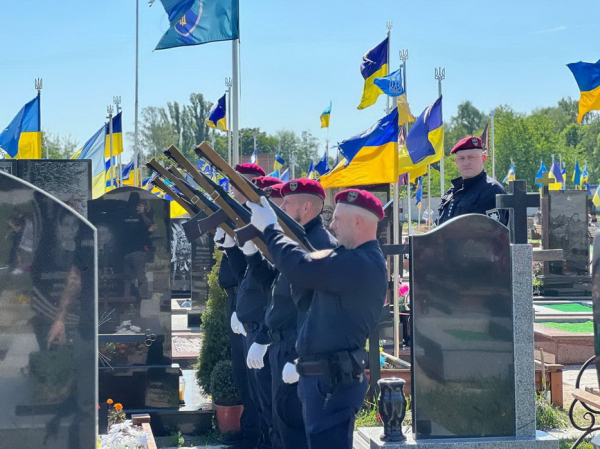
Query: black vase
x=392 y=407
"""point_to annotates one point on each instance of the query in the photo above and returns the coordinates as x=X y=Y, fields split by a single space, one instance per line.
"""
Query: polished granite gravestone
x=181 y=260
x=202 y=263
x=134 y=260
x=596 y=299
x=69 y=180
x=48 y=298
x=463 y=355
x=8 y=166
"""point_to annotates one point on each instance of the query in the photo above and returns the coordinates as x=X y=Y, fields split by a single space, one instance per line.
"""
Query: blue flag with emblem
x=195 y=22
x=391 y=84
x=323 y=166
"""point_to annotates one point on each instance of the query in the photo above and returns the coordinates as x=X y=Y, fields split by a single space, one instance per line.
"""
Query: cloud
x=550 y=30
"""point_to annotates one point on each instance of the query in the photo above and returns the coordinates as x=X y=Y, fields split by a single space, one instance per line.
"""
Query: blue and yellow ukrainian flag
x=279 y=162
x=587 y=76
x=311 y=173
x=94 y=149
x=195 y=22
x=596 y=197
x=217 y=117
x=22 y=138
x=117 y=139
x=424 y=143
x=323 y=166
x=511 y=175
x=577 y=176
x=419 y=192
x=254 y=158
x=543 y=169
x=556 y=174
x=374 y=65
x=285 y=176
x=369 y=157
x=585 y=177
x=325 y=116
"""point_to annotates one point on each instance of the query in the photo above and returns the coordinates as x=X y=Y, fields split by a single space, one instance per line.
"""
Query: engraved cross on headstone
x=545 y=181
x=518 y=200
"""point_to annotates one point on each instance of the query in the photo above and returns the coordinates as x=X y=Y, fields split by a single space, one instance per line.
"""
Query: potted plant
x=225 y=396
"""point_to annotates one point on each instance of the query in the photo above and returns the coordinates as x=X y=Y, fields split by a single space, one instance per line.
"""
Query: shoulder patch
x=322 y=254
x=493 y=213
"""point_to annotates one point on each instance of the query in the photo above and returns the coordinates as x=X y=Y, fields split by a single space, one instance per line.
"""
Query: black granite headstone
x=181 y=260
x=68 y=180
x=596 y=299
x=48 y=353
x=202 y=263
x=569 y=231
x=462 y=330
x=8 y=166
x=134 y=260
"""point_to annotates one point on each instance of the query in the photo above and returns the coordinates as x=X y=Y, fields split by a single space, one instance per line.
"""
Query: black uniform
x=475 y=195
x=285 y=313
x=249 y=421
x=350 y=288
x=250 y=306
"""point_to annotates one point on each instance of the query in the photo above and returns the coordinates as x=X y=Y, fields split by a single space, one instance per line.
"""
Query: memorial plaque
x=181 y=260
x=462 y=330
x=202 y=263
x=7 y=166
x=569 y=231
x=68 y=180
x=48 y=348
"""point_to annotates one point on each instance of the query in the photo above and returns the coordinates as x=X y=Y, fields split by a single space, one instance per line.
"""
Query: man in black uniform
x=303 y=200
x=474 y=192
x=349 y=284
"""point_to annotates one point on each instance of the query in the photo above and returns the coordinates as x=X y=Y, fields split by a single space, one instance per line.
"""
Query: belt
x=250 y=327
x=231 y=290
x=277 y=336
x=339 y=367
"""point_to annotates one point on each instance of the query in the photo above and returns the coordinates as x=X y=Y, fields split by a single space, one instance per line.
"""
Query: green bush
x=222 y=386
x=215 y=326
x=548 y=417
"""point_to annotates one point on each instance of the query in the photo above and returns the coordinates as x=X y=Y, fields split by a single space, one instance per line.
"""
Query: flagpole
x=228 y=84
x=493 y=146
x=389 y=26
x=110 y=139
x=136 y=181
x=440 y=75
x=235 y=94
x=38 y=86
x=117 y=102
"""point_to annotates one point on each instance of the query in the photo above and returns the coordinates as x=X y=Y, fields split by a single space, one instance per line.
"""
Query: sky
x=296 y=57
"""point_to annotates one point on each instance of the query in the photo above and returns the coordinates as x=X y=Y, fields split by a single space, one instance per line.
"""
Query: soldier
x=474 y=192
x=303 y=200
x=349 y=284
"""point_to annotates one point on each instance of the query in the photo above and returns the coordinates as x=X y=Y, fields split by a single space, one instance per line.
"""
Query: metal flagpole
x=389 y=26
x=136 y=181
x=38 y=86
x=117 y=102
x=110 y=139
x=429 y=197
x=440 y=75
x=228 y=84
x=235 y=100
x=493 y=146
x=254 y=151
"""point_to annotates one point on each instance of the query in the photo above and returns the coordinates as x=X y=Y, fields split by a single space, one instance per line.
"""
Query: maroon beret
x=302 y=185
x=468 y=143
x=361 y=198
x=250 y=169
x=274 y=191
x=265 y=181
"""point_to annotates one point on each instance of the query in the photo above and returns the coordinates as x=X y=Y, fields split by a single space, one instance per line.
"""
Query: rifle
x=190 y=208
x=237 y=213
x=290 y=226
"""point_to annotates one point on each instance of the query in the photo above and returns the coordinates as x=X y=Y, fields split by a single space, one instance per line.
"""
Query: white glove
x=219 y=236
x=249 y=248
x=256 y=355
x=236 y=326
x=262 y=214
x=229 y=241
x=290 y=375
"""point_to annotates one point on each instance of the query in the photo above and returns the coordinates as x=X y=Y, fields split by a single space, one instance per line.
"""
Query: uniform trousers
x=330 y=412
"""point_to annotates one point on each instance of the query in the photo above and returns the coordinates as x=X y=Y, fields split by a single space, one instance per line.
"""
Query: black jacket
x=472 y=196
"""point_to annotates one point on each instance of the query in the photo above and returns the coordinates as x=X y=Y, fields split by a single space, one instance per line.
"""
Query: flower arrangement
x=116 y=414
x=124 y=436
x=404 y=304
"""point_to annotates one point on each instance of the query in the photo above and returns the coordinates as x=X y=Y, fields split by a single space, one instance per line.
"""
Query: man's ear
x=485 y=155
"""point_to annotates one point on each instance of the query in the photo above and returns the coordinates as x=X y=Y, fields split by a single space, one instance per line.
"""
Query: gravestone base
x=370 y=438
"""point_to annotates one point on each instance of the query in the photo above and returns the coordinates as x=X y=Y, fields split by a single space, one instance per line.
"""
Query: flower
x=403 y=289
x=118 y=406
x=109 y=401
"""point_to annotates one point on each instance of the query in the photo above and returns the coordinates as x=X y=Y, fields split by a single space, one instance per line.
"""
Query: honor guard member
x=350 y=284
x=474 y=192
x=249 y=315
x=303 y=200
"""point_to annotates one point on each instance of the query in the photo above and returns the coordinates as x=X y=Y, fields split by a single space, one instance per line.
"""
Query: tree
x=58 y=147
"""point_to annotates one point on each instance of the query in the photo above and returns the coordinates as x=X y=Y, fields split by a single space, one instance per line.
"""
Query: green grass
x=575 y=328
x=566 y=444
x=574 y=307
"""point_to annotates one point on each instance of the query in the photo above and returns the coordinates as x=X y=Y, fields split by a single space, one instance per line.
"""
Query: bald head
x=302 y=207
x=353 y=225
